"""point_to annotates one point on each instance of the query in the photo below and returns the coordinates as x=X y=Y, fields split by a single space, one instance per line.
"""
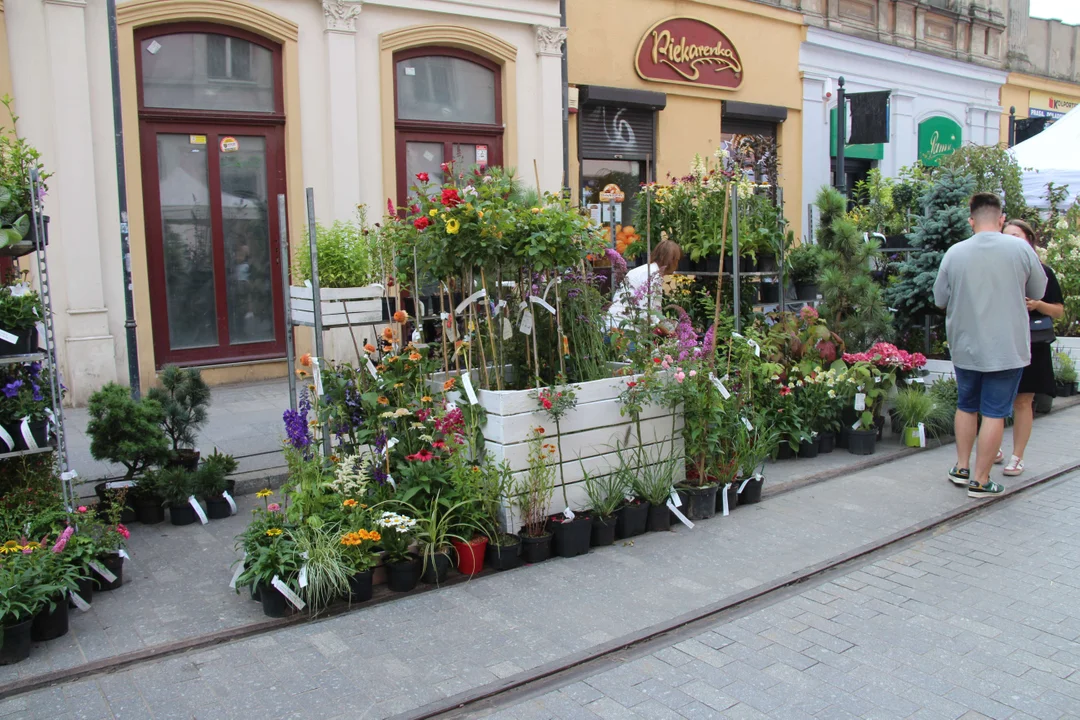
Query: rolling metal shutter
x=612 y=132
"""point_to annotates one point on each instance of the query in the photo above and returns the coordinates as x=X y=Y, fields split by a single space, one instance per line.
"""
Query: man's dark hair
x=985 y=207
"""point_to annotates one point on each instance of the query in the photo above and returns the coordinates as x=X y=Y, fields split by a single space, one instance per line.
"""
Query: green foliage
x=276 y=558
x=184 y=397
x=126 y=431
x=994 y=170
x=17 y=157
x=327 y=570
x=915 y=405
x=19 y=308
x=763 y=229
x=853 y=305
x=943 y=223
x=211 y=479
x=26 y=585
x=173 y=485
x=804 y=263
x=945 y=394
x=1062 y=255
x=351 y=254
x=606 y=492
x=1064 y=367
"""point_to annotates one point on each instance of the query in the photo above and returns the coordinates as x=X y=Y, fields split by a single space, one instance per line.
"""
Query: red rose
x=547 y=404
x=421 y=222
x=450 y=197
x=422 y=177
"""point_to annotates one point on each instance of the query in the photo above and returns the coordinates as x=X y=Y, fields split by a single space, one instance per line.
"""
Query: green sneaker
x=990 y=489
x=960 y=477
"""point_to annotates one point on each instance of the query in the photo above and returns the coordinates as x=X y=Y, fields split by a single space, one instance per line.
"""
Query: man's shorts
x=988 y=393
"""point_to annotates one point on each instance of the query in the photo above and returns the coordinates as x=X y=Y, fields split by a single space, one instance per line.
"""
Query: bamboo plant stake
x=720 y=275
x=474 y=326
x=491 y=330
x=563 y=345
x=443 y=319
x=648 y=235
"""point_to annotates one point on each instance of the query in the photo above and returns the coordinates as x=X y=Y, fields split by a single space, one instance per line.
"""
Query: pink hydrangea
x=887 y=355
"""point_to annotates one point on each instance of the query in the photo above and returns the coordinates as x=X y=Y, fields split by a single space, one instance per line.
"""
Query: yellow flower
x=480 y=214
x=536 y=211
x=264 y=493
x=452 y=226
x=273 y=532
x=11 y=547
x=426 y=399
x=398 y=385
x=433 y=212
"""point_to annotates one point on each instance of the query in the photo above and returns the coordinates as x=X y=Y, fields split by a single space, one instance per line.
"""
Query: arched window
x=447 y=108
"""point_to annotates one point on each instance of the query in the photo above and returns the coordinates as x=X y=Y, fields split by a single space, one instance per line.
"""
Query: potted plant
x=914 y=407
x=176 y=486
x=488 y=484
x=867 y=388
x=324 y=572
x=606 y=494
x=183 y=397
x=1065 y=374
x=632 y=517
x=60 y=573
x=110 y=538
x=434 y=533
x=17 y=158
x=25 y=405
x=533 y=492
x=211 y=482
x=655 y=483
x=804 y=267
x=19 y=315
x=149 y=505
x=359 y=556
x=277 y=558
x=268 y=523
x=125 y=431
x=24 y=590
x=754 y=448
x=79 y=552
x=402 y=566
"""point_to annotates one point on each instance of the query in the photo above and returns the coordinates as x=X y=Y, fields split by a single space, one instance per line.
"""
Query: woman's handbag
x=1042 y=329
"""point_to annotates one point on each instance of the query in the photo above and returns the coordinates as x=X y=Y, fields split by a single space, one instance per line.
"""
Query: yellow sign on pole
x=612 y=193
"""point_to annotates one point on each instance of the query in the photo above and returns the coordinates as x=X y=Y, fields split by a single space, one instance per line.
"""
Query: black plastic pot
x=571 y=538
x=862 y=442
x=809 y=448
x=182 y=514
x=114 y=564
x=826 y=442
x=728 y=265
x=274 y=603
x=767 y=263
x=535 y=549
x=26 y=343
x=504 y=557
x=806 y=291
x=630 y=519
x=218 y=508
x=256 y=592
x=403 y=576
x=603 y=531
x=751 y=492
x=39 y=431
x=360 y=588
x=15 y=645
x=784 y=450
x=186 y=458
x=895 y=422
x=746 y=264
x=769 y=292
x=149 y=510
x=732 y=490
x=436 y=568
x=84 y=588
x=698 y=503
x=659 y=518
x=50 y=624
x=684 y=263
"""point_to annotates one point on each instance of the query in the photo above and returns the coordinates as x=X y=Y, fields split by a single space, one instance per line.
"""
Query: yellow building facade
x=1035 y=96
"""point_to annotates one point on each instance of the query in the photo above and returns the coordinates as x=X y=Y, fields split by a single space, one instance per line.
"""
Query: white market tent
x=1051 y=156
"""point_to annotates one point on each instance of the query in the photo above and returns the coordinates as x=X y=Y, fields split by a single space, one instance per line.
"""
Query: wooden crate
x=365 y=306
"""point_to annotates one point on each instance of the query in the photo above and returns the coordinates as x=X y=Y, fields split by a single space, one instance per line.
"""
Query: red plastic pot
x=470 y=555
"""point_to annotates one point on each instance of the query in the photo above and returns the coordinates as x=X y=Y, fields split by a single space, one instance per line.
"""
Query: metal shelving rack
x=47 y=356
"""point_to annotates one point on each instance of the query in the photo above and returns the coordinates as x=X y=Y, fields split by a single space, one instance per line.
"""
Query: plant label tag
x=742 y=485
x=229 y=499
x=481 y=293
x=102 y=571
x=526 y=323
x=675 y=499
x=736 y=335
x=69 y=476
x=316 y=370
x=451 y=329
x=877 y=379
x=390 y=479
x=746 y=422
x=371 y=368
x=198 y=509
x=922 y=434
x=724 y=393
x=507 y=329
x=238 y=572
x=498 y=306
x=629 y=498
x=469 y=392
x=860 y=401
x=123 y=553
x=857 y=424
x=79 y=602
x=682 y=518
x=391 y=443
x=416 y=336
x=757 y=348
x=542 y=303
x=568 y=514
x=118 y=484
x=8 y=337
x=724 y=498
x=288 y=593
x=302 y=580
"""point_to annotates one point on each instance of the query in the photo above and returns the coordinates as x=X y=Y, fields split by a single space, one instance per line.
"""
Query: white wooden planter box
x=365 y=305
x=1069 y=345
x=938 y=369
x=590 y=434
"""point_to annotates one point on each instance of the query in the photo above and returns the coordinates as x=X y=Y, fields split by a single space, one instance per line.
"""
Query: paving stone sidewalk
x=980 y=622
x=394 y=657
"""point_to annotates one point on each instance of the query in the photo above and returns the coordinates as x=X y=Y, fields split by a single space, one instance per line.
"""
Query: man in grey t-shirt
x=982 y=284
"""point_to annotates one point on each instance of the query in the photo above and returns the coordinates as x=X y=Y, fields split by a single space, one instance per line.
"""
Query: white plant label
x=123 y=553
x=507 y=329
x=238 y=572
x=746 y=422
x=720 y=386
x=481 y=293
x=568 y=514
x=629 y=498
x=757 y=348
x=390 y=479
x=742 y=485
x=5 y=437
x=526 y=323
x=466 y=380
x=288 y=593
x=416 y=336
x=675 y=499
x=860 y=401
x=922 y=434
x=79 y=602
x=198 y=509
x=118 y=484
x=316 y=370
x=736 y=335
x=102 y=571
x=391 y=443
x=229 y=499
x=371 y=368
x=8 y=337
x=69 y=476
x=542 y=303
x=857 y=424
x=499 y=306
x=302 y=580
x=678 y=513
x=723 y=498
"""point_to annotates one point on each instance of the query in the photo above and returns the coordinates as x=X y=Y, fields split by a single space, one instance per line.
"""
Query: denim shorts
x=988 y=393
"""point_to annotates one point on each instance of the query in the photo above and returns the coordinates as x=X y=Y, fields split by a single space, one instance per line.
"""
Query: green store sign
x=938 y=137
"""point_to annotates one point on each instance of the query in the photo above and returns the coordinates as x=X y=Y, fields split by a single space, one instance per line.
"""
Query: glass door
x=211 y=242
x=426 y=153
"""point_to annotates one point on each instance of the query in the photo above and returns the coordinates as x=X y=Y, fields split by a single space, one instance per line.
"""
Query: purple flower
x=378 y=473
x=296 y=424
x=37 y=392
x=12 y=388
x=618 y=266
x=35 y=369
x=710 y=341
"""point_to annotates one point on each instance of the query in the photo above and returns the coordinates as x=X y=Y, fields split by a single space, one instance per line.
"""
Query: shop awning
x=621 y=97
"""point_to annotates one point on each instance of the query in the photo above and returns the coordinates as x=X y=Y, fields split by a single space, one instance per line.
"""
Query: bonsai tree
x=184 y=397
x=853 y=305
x=126 y=431
x=944 y=222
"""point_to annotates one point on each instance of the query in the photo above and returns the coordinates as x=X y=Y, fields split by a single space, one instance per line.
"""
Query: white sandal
x=1014 y=468
x=1000 y=458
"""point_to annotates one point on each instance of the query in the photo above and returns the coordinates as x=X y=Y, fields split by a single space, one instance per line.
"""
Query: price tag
x=860 y=401
x=724 y=498
x=542 y=303
x=79 y=602
x=720 y=386
x=629 y=498
x=288 y=593
x=568 y=514
x=8 y=337
x=922 y=434
x=526 y=323
x=238 y=572
x=371 y=368
x=499 y=306
x=123 y=553
x=119 y=484
x=747 y=424
x=481 y=293
x=302 y=580
x=682 y=518
x=102 y=571
x=198 y=509
x=675 y=499
x=229 y=499
x=466 y=381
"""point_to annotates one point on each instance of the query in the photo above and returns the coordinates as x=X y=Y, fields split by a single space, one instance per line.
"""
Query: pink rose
x=123 y=531
x=693 y=373
x=273 y=507
x=680 y=376
x=82 y=508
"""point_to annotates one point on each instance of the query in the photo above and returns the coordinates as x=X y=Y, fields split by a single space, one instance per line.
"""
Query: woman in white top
x=633 y=294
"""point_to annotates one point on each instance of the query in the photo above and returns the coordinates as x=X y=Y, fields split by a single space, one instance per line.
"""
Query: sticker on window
x=481 y=154
x=153 y=47
x=229 y=144
x=410 y=71
x=197 y=139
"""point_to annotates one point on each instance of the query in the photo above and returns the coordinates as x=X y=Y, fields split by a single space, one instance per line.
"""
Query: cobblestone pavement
x=981 y=621
x=398 y=656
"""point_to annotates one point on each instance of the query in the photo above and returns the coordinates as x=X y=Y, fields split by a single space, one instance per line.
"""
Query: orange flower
x=414 y=356
x=369 y=348
x=388 y=334
x=387 y=348
x=305 y=359
x=401 y=316
x=350 y=503
x=380 y=368
x=383 y=400
x=426 y=399
x=449 y=384
x=539 y=430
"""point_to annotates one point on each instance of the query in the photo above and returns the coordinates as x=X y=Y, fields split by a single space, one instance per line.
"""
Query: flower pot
x=862 y=442
x=684 y=263
x=826 y=442
x=809 y=448
x=747 y=264
x=218 y=508
x=15 y=645
x=273 y=602
x=26 y=342
x=39 y=432
x=603 y=531
x=403 y=576
x=767 y=263
x=769 y=292
x=728 y=265
x=911 y=437
x=732 y=490
x=806 y=291
x=470 y=555
x=659 y=519
x=630 y=519
x=50 y=624
x=751 y=491
x=84 y=588
x=842 y=438
x=535 y=549
x=149 y=510
x=114 y=564
x=360 y=588
x=571 y=537
x=699 y=503
x=895 y=422
x=784 y=450
x=504 y=557
x=256 y=592
x=182 y=514
x=436 y=568
x=186 y=458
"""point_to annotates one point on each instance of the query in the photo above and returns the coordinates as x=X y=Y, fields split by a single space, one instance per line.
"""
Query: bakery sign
x=688 y=51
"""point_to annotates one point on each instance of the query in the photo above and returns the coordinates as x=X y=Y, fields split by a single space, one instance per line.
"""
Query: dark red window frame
x=447 y=133
x=213 y=124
